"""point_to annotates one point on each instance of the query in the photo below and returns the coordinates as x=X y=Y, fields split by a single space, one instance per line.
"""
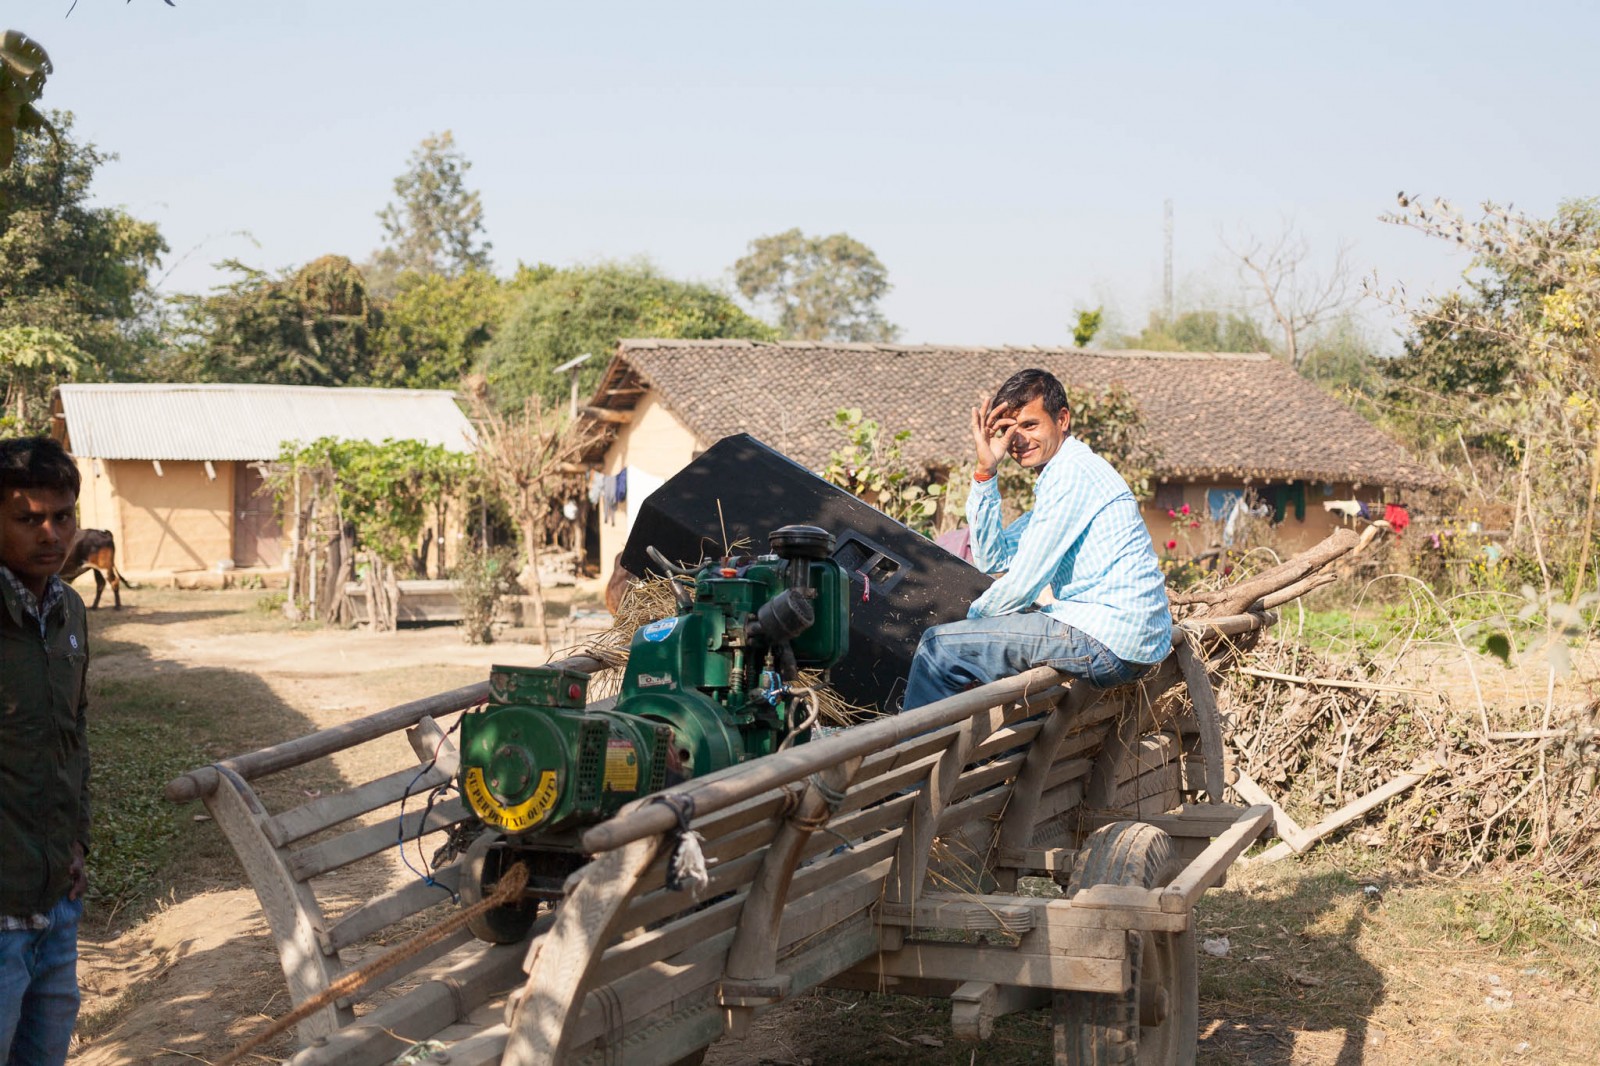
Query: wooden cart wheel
x=1155 y=1021
x=487 y=858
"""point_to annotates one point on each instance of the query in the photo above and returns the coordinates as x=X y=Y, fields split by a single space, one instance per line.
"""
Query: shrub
x=483 y=579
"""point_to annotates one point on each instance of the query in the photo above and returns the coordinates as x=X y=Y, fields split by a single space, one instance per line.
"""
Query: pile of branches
x=1327 y=732
x=1319 y=746
x=1488 y=797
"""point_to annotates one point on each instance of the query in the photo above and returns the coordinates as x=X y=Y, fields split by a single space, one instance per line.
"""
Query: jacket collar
x=20 y=602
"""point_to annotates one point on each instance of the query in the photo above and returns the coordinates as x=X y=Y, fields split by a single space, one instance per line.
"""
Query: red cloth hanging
x=1397 y=517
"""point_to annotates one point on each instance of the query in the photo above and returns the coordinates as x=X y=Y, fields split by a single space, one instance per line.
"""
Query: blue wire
x=400 y=824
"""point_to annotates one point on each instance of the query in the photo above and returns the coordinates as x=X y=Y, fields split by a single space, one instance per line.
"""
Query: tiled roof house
x=1218 y=421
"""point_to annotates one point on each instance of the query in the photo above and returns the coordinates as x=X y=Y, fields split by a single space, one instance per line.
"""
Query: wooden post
x=559 y=963
x=927 y=807
x=749 y=981
x=1205 y=711
x=1211 y=864
x=290 y=906
x=735 y=784
x=291 y=605
x=1348 y=813
x=1286 y=827
x=1017 y=824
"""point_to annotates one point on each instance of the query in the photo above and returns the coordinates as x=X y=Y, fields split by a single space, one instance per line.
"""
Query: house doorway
x=257 y=530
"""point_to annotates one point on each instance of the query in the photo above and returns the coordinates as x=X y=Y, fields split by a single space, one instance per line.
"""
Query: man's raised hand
x=992 y=430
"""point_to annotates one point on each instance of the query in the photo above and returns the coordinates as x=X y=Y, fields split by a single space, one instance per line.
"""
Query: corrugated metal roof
x=248 y=422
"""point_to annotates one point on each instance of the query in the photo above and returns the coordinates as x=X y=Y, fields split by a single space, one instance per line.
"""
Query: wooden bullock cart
x=866 y=859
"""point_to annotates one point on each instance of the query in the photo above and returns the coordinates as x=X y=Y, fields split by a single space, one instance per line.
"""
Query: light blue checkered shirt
x=1085 y=542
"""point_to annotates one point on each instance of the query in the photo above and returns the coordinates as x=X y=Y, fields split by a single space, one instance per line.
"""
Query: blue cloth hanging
x=1219 y=502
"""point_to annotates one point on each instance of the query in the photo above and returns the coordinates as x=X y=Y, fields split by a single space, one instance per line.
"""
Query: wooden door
x=257 y=532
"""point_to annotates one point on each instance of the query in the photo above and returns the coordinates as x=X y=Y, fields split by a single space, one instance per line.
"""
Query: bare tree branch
x=531 y=456
x=1293 y=296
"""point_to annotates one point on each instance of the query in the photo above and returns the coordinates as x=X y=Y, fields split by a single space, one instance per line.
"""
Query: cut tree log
x=1236 y=599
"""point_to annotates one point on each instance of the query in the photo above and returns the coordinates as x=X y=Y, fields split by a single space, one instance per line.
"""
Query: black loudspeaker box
x=902 y=582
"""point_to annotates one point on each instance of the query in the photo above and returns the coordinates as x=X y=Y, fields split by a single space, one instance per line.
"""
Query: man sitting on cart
x=1106 y=618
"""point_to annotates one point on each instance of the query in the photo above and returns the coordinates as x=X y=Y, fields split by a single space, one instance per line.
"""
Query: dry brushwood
x=1317 y=747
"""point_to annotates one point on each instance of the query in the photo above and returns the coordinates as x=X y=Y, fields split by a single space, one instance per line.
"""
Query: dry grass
x=1514 y=784
x=1345 y=957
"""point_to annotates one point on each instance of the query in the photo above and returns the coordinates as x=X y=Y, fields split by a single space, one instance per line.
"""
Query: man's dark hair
x=37 y=463
x=1033 y=384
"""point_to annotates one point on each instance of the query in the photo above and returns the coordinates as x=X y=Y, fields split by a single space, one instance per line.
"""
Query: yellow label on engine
x=520 y=818
x=622 y=767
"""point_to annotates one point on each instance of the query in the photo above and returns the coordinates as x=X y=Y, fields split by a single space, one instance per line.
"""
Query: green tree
x=1344 y=360
x=435 y=224
x=80 y=272
x=823 y=288
x=23 y=69
x=312 y=326
x=555 y=315
x=31 y=357
x=1089 y=323
x=1197 y=331
x=385 y=493
x=435 y=328
x=871 y=465
x=1507 y=368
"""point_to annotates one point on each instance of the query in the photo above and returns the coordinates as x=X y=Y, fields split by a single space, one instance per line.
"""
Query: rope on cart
x=509 y=887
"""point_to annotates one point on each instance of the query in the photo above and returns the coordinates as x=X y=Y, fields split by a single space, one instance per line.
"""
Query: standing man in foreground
x=44 y=755
x=1106 y=619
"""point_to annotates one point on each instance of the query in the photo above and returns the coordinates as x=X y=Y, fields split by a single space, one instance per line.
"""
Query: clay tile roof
x=1222 y=415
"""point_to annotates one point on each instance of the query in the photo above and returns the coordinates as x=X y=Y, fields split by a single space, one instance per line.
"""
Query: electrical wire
x=426 y=873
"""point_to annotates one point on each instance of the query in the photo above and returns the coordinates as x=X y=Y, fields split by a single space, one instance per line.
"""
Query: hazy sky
x=1007 y=162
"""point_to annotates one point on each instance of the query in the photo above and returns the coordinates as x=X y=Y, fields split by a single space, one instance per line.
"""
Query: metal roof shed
x=245 y=422
x=172 y=470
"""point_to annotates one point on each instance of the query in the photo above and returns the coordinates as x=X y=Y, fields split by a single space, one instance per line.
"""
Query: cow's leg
x=99 y=588
x=116 y=588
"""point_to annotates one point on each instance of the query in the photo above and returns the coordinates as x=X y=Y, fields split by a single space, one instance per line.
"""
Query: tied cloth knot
x=686 y=863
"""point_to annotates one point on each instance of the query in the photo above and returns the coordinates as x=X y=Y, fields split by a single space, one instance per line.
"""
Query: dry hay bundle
x=649 y=600
x=1500 y=796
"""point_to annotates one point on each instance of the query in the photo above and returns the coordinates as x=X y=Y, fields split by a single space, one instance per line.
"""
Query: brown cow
x=96 y=550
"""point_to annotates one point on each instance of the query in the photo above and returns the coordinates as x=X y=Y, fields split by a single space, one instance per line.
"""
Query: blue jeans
x=39 y=989
x=958 y=655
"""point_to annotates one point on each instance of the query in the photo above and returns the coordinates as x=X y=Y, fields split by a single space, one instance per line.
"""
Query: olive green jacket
x=44 y=751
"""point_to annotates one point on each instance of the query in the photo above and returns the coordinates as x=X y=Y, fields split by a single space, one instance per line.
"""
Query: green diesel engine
x=708 y=688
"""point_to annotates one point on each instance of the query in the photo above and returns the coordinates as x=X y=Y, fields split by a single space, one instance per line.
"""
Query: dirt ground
x=185 y=978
